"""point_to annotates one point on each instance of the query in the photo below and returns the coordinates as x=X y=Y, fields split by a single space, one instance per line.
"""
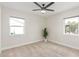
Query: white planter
x=45 y=40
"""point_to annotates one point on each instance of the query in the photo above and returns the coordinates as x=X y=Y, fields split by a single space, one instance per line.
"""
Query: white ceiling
x=29 y=6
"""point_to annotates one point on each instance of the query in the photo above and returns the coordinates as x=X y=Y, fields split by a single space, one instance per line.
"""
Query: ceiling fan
x=43 y=8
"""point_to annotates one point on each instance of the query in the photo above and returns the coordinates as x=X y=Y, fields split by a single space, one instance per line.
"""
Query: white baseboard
x=65 y=45
x=35 y=42
x=20 y=45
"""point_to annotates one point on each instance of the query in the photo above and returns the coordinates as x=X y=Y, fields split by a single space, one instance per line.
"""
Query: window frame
x=64 y=26
x=16 y=25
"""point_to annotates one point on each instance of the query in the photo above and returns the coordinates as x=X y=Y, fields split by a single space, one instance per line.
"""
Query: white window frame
x=64 y=26
x=16 y=26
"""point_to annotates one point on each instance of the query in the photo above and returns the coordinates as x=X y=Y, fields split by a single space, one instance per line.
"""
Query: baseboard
x=35 y=42
x=19 y=45
x=63 y=45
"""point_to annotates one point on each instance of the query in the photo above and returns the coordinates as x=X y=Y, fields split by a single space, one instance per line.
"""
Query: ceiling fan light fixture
x=43 y=11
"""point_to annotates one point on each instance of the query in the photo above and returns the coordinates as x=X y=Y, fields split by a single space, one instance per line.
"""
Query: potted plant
x=45 y=34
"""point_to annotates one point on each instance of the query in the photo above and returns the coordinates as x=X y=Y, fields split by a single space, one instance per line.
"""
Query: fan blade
x=36 y=9
x=49 y=9
x=49 y=5
x=38 y=4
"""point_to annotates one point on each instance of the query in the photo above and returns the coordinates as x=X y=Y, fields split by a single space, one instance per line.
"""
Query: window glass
x=16 y=26
x=72 y=25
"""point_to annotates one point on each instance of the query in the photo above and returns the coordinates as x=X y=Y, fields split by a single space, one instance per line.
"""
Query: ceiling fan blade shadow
x=49 y=5
x=38 y=4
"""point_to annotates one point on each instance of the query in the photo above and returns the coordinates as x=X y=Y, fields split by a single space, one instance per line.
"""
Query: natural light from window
x=16 y=26
x=72 y=26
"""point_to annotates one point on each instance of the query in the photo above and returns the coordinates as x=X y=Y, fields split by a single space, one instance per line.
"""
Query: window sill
x=17 y=35
x=71 y=34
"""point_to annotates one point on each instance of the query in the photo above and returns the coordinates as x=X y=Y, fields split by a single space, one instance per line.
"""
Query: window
x=16 y=26
x=72 y=25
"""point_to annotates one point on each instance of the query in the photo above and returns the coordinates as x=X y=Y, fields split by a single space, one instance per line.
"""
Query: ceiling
x=29 y=6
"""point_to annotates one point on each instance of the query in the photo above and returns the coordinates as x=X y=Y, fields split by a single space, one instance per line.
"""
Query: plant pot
x=45 y=40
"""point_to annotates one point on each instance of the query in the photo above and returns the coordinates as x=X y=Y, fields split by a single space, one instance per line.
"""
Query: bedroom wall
x=33 y=28
x=32 y=32
x=0 y=29
x=56 y=29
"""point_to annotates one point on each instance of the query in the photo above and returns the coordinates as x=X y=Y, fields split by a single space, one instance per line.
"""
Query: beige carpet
x=41 y=49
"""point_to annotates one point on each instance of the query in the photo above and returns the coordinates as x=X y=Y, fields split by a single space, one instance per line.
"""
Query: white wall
x=56 y=29
x=33 y=28
x=0 y=29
